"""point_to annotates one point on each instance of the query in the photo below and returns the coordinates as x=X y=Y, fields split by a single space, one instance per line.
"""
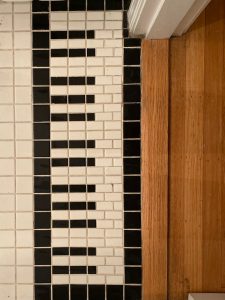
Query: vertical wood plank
x=154 y=168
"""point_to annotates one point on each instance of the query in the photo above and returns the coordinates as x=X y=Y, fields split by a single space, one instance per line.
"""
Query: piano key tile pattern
x=70 y=202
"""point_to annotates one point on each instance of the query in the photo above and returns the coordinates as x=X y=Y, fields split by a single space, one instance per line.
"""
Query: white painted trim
x=159 y=19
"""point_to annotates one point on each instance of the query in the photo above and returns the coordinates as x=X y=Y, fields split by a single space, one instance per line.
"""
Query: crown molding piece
x=160 y=19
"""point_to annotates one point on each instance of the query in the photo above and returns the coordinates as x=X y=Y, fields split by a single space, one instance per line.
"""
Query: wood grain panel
x=154 y=168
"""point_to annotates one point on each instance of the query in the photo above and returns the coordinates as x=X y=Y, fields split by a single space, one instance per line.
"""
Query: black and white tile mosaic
x=70 y=196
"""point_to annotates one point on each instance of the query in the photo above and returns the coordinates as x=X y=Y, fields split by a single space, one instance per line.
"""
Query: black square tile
x=132 y=202
x=40 y=58
x=42 y=184
x=132 y=257
x=132 y=112
x=40 y=21
x=79 y=292
x=132 y=238
x=131 y=130
x=59 y=5
x=132 y=148
x=132 y=292
x=40 y=6
x=42 y=220
x=42 y=166
x=42 y=292
x=41 y=76
x=42 y=274
x=60 y=292
x=132 y=56
x=96 y=292
x=77 y=5
x=132 y=42
x=132 y=93
x=41 y=131
x=40 y=40
x=42 y=202
x=132 y=166
x=132 y=220
x=42 y=256
x=133 y=275
x=41 y=149
x=132 y=184
x=41 y=95
x=42 y=238
x=114 y=292
x=114 y=4
x=95 y=5
x=132 y=75
x=41 y=113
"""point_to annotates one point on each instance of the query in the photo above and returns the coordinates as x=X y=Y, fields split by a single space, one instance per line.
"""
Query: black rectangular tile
x=60 y=251
x=132 y=238
x=60 y=269
x=96 y=292
x=133 y=275
x=42 y=184
x=76 y=99
x=132 y=93
x=133 y=292
x=59 y=117
x=59 y=52
x=40 y=6
x=132 y=42
x=132 y=220
x=42 y=202
x=41 y=166
x=132 y=184
x=132 y=166
x=78 y=205
x=41 y=95
x=59 y=5
x=42 y=256
x=41 y=113
x=60 y=292
x=77 y=34
x=40 y=58
x=40 y=21
x=132 y=112
x=132 y=75
x=114 y=292
x=41 y=148
x=114 y=5
x=59 y=99
x=42 y=292
x=60 y=205
x=41 y=131
x=60 y=188
x=40 y=40
x=131 y=130
x=59 y=144
x=41 y=76
x=78 y=292
x=42 y=238
x=77 y=52
x=78 y=270
x=95 y=5
x=77 y=5
x=58 y=35
x=133 y=257
x=59 y=80
x=132 y=56
x=42 y=220
x=60 y=223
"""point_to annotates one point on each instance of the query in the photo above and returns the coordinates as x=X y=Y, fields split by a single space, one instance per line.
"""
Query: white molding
x=159 y=19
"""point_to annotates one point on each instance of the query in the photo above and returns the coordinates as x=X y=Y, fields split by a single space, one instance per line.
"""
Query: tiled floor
x=70 y=225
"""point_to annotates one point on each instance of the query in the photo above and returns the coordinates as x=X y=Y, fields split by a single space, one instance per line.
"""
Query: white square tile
x=24 y=274
x=7 y=274
x=22 y=40
x=24 y=202
x=7 y=185
x=6 y=149
x=24 y=257
x=23 y=77
x=24 y=185
x=7 y=113
x=7 y=238
x=6 y=59
x=7 y=291
x=23 y=131
x=22 y=22
x=5 y=7
x=6 y=40
x=23 y=95
x=23 y=113
x=7 y=203
x=5 y=22
x=24 y=149
x=7 y=257
x=7 y=221
x=24 y=238
x=6 y=94
x=24 y=220
x=22 y=58
x=6 y=167
x=24 y=292
x=24 y=167
x=6 y=77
